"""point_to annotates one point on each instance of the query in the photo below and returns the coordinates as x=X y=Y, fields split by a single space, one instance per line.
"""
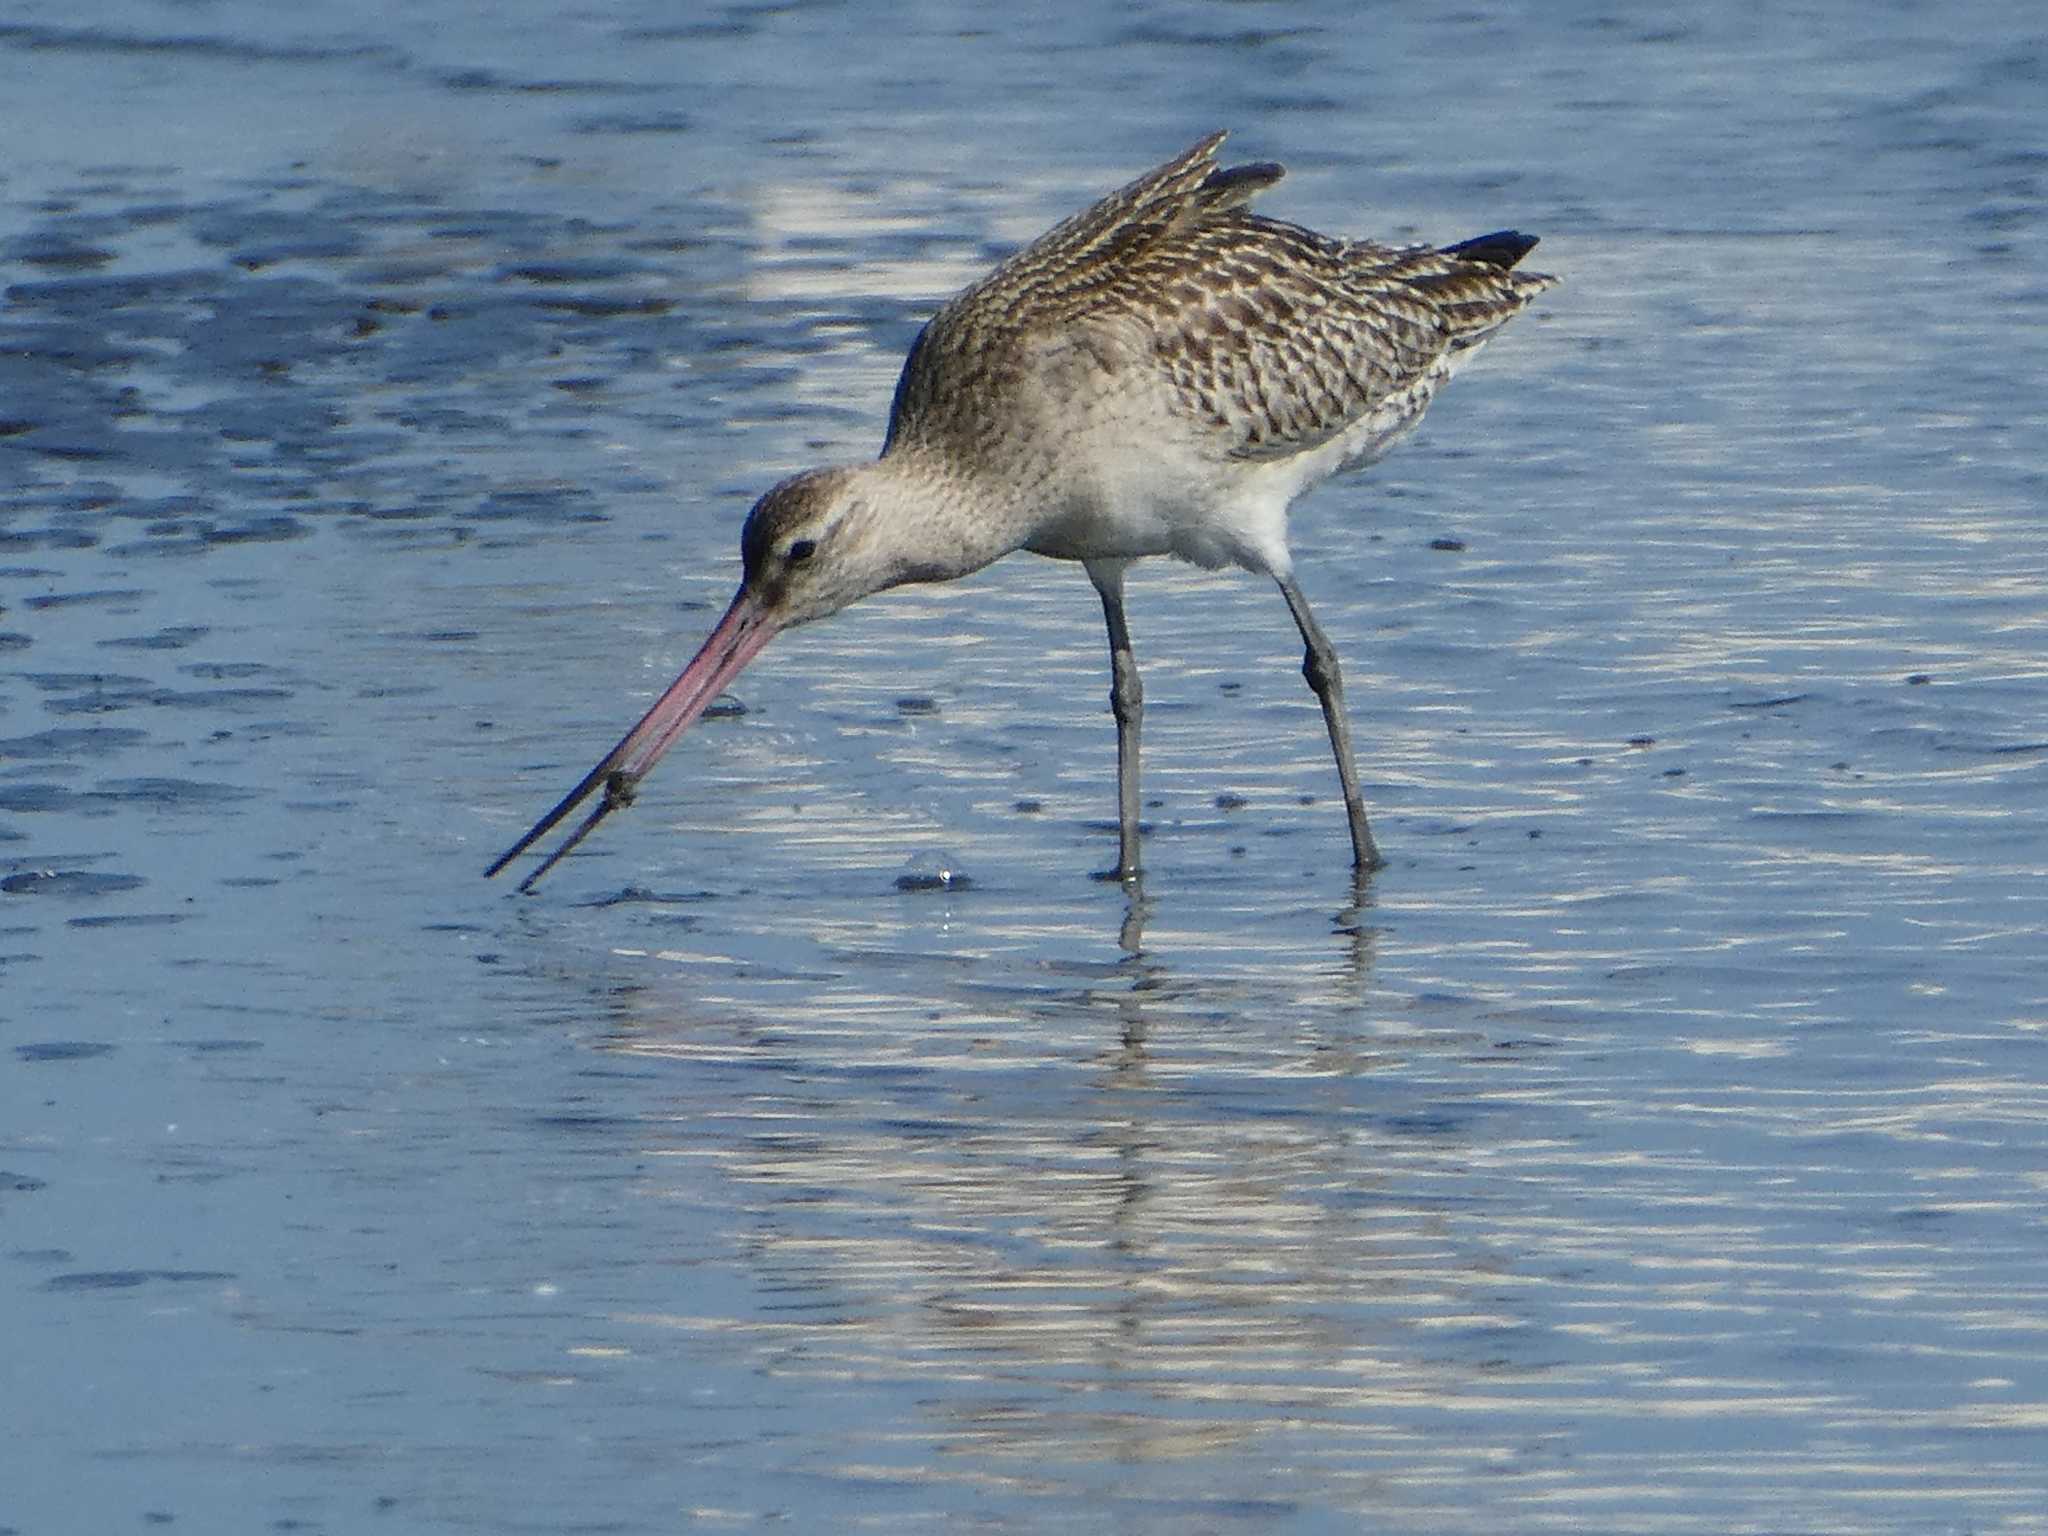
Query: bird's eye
x=801 y=551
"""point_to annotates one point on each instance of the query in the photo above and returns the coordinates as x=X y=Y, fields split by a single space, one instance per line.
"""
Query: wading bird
x=1162 y=374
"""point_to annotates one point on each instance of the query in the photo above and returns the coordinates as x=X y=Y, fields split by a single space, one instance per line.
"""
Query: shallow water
x=1656 y=1145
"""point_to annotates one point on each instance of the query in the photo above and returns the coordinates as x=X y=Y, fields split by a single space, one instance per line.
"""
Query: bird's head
x=813 y=544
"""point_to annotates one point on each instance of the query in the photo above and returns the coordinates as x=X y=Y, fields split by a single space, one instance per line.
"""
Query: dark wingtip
x=1240 y=182
x=1503 y=248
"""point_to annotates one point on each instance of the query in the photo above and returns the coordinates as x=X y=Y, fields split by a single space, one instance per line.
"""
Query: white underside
x=1150 y=500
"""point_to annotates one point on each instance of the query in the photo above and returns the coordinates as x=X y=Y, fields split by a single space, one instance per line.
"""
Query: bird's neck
x=934 y=521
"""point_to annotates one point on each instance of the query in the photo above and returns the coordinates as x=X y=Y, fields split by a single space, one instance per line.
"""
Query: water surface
x=1657 y=1144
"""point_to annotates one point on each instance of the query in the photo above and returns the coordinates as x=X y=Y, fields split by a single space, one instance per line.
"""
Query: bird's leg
x=1127 y=703
x=1319 y=666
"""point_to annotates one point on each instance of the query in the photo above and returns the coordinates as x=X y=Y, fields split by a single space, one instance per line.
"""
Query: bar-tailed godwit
x=1162 y=374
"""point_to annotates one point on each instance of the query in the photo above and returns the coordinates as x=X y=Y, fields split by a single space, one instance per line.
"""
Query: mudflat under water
x=1658 y=1144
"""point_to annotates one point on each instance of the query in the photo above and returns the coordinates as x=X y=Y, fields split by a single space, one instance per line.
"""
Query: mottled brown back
x=1275 y=339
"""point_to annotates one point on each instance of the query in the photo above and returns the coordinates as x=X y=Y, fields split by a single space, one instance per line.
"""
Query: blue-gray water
x=1660 y=1146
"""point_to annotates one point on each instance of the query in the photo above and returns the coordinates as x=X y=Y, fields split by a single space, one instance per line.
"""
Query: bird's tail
x=1476 y=288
